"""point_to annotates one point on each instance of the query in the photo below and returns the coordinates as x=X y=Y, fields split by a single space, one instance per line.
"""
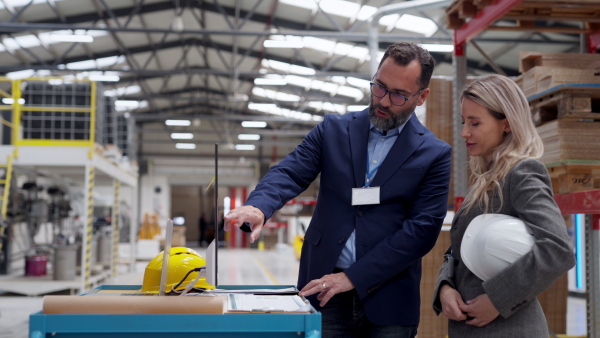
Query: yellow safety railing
x=5 y=183
x=18 y=109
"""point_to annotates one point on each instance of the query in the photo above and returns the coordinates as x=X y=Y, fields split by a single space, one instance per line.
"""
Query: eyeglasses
x=396 y=98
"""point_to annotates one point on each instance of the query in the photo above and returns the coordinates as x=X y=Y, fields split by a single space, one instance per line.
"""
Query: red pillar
x=243 y=196
x=233 y=232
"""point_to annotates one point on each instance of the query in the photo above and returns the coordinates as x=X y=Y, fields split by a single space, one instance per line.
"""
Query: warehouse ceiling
x=203 y=62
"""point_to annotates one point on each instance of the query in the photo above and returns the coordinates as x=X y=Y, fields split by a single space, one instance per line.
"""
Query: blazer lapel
x=406 y=143
x=358 y=132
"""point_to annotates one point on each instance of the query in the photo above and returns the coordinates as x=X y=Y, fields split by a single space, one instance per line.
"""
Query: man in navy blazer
x=382 y=200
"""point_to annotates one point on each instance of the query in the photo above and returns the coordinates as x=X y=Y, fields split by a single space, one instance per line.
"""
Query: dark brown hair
x=404 y=53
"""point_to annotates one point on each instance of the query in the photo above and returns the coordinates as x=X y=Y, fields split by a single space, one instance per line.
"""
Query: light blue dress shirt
x=378 y=148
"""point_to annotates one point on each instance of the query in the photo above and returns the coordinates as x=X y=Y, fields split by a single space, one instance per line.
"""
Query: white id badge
x=364 y=196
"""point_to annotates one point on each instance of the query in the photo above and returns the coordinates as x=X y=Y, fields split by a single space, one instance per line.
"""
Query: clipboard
x=251 y=303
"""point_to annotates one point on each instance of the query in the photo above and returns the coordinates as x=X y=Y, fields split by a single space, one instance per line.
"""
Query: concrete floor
x=236 y=267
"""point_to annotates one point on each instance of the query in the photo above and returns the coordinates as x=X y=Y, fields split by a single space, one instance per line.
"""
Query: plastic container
x=35 y=265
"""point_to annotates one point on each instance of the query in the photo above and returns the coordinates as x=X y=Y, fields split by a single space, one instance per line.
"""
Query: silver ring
x=324 y=286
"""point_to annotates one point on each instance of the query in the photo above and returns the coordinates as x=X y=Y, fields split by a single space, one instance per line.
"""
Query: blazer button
x=359 y=212
x=342 y=241
x=513 y=309
x=519 y=305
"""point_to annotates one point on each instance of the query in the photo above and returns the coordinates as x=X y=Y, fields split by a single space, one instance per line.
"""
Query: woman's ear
x=506 y=127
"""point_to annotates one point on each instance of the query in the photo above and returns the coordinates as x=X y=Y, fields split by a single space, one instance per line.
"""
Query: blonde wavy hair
x=504 y=100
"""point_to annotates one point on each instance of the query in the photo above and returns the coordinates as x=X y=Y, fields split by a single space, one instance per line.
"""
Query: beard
x=394 y=120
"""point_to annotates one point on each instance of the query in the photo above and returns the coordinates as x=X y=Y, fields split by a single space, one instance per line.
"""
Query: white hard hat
x=494 y=241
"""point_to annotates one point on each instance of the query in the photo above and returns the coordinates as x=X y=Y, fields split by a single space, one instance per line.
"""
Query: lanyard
x=371 y=173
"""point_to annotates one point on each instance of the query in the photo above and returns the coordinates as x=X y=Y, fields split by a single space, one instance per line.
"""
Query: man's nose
x=386 y=100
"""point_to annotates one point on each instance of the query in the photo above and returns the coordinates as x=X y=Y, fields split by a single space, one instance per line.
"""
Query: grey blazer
x=526 y=194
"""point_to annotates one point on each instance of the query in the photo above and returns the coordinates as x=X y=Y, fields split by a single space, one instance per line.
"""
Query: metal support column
x=459 y=152
x=88 y=215
x=592 y=261
x=116 y=215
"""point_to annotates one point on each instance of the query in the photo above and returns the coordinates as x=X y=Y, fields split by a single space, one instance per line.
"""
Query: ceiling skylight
x=417 y=24
x=274 y=110
x=274 y=95
x=349 y=9
x=288 y=68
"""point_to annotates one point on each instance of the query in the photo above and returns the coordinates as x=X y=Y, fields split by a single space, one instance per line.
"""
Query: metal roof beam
x=238 y=116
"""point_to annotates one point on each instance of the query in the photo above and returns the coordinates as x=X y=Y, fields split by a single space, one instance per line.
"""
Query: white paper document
x=266 y=303
x=290 y=290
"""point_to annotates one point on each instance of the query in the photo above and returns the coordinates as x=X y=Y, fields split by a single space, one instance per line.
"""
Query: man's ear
x=423 y=96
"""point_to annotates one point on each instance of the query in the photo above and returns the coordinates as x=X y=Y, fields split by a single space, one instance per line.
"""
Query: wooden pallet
x=570 y=100
x=529 y=11
x=568 y=139
x=572 y=175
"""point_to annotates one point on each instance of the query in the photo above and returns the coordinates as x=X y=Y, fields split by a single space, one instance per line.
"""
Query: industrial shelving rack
x=468 y=18
x=55 y=127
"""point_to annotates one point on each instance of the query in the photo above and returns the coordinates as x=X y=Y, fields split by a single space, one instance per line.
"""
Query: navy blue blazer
x=391 y=237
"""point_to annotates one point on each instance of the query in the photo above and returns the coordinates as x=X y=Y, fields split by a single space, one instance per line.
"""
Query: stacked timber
x=544 y=71
x=432 y=326
x=564 y=97
x=438 y=114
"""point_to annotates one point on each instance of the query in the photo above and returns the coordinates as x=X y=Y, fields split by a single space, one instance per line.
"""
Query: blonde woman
x=503 y=146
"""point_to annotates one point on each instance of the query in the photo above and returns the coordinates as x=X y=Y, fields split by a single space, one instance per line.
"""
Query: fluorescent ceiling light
x=127 y=103
x=8 y=100
x=182 y=136
x=124 y=105
x=283 y=44
x=185 y=146
x=261 y=106
x=30 y=40
x=122 y=91
x=184 y=123
x=356 y=108
x=245 y=147
x=72 y=38
x=438 y=48
x=417 y=24
x=254 y=124
x=56 y=82
x=270 y=82
x=85 y=64
x=21 y=74
x=249 y=137
x=104 y=78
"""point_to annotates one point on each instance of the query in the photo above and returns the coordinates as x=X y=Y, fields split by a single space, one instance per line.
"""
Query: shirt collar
x=392 y=132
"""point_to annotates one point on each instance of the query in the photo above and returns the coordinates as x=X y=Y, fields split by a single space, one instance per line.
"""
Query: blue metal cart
x=176 y=325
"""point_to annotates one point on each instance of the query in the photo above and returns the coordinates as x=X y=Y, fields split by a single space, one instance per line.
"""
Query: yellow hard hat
x=181 y=261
